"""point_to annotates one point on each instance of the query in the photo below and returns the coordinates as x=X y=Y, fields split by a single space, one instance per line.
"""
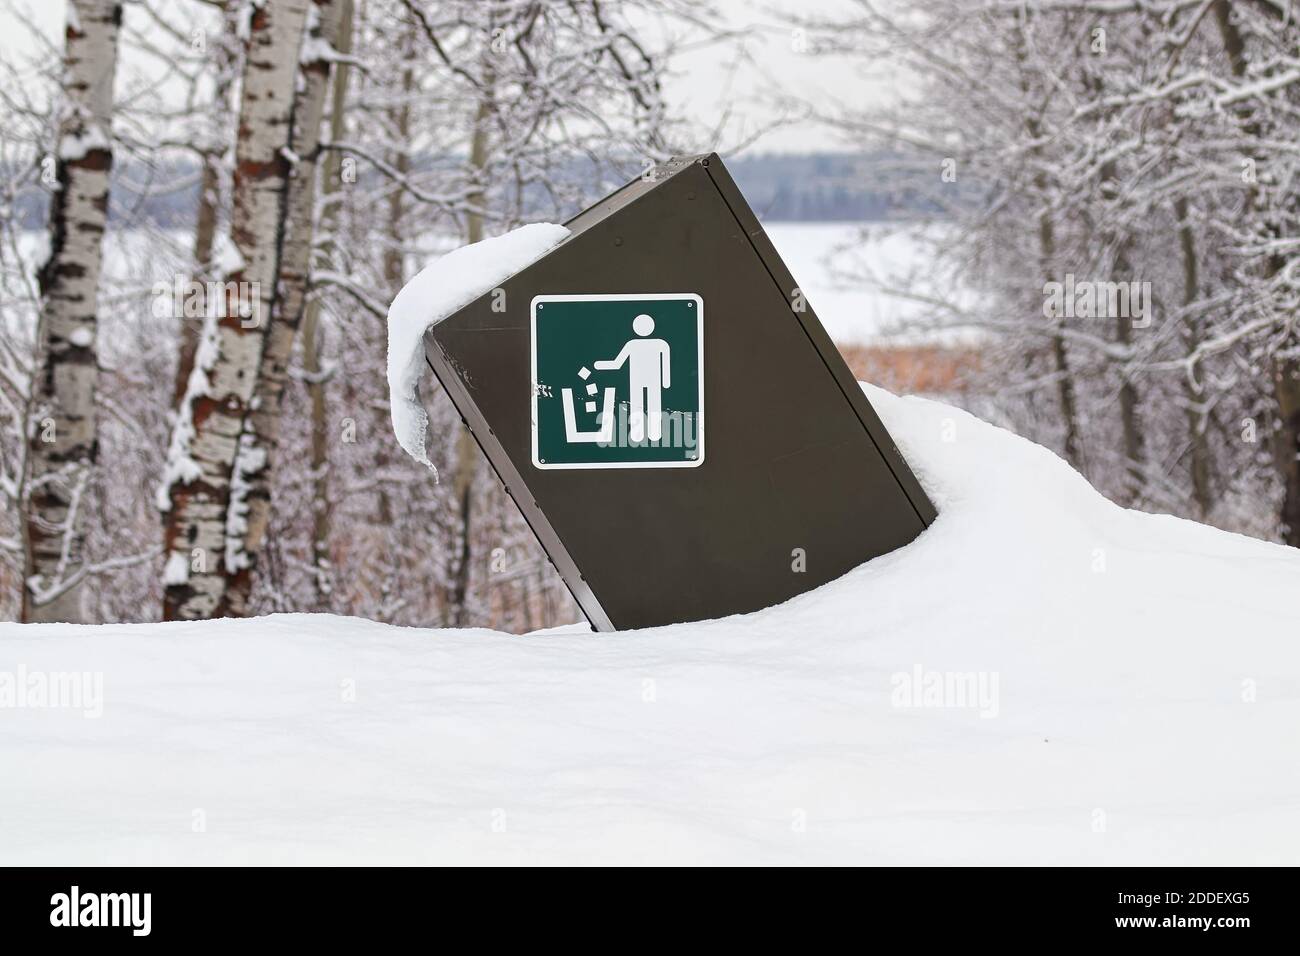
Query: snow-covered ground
x=1135 y=698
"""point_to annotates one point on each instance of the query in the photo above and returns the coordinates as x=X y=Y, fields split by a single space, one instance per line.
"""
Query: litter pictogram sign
x=618 y=381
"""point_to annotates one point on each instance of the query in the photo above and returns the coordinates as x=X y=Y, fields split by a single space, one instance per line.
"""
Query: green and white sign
x=618 y=381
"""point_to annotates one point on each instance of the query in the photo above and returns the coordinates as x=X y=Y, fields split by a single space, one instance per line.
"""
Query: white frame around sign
x=616 y=297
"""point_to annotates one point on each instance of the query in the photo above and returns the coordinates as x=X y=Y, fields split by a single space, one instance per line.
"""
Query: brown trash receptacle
x=660 y=400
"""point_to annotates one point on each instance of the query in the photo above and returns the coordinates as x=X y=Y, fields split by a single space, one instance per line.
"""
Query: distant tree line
x=813 y=187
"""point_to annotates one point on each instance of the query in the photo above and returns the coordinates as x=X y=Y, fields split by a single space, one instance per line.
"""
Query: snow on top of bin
x=448 y=283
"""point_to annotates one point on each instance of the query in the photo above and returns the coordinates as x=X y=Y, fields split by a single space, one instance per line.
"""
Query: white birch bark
x=63 y=429
x=250 y=503
x=213 y=187
x=202 y=469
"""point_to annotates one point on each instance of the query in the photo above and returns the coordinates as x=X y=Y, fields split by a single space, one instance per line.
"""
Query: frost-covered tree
x=462 y=121
x=259 y=443
x=1113 y=189
x=278 y=178
x=215 y=450
x=63 y=413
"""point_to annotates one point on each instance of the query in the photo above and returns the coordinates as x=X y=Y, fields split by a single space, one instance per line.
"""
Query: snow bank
x=1133 y=698
x=442 y=287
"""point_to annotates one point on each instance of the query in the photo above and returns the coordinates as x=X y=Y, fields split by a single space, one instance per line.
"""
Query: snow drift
x=439 y=289
x=1041 y=677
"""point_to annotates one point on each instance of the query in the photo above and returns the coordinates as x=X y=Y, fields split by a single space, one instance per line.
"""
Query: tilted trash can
x=663 y=405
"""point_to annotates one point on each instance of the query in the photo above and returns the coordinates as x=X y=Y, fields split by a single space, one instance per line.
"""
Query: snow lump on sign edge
x=439 y=289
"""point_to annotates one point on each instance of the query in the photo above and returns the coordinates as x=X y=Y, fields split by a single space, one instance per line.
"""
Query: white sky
x=705 y=84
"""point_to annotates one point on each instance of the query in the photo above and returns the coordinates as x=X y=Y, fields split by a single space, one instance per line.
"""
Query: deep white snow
x=1140 y=703
x=439 y=289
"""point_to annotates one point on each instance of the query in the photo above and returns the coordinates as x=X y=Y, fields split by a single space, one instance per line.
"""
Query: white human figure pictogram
x=648 y=364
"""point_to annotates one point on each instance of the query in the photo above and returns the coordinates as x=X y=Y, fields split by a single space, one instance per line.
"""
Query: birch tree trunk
x=63 y=430
x=201 y=478
x=212 y=185
x=250 y=515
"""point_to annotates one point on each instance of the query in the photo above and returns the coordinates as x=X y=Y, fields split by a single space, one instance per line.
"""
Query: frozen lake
x=847 y=269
